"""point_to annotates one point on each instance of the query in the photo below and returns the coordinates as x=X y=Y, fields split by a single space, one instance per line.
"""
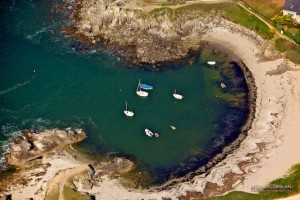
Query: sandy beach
x=269 y=150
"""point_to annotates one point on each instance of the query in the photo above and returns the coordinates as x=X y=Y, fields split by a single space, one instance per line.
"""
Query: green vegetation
x=290 y=184
x=137 y=178
x=231 y=11
x=282 y=44
x=70 y=194
x=292 y=50
x=281 y=20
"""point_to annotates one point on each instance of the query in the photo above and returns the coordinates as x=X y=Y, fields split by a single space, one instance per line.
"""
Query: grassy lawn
x=291 y=183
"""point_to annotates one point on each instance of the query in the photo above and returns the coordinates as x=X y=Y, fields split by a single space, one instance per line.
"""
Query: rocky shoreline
x=32 y=145
x=41 y=161
x=139 y=38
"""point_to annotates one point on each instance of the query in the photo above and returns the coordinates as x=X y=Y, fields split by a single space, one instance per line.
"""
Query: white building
x=292 y=7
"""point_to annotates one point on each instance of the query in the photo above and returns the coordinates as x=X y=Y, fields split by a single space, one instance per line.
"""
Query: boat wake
x=15 y=87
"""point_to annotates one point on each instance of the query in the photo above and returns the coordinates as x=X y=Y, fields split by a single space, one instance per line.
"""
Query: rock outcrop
x=32 y=145
x=142 y=37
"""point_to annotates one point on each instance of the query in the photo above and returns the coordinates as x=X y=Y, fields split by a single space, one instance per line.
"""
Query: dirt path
x=151 y=6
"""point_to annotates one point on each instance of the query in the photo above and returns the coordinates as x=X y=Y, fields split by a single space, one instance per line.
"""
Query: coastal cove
x=68 y=67
x=52 y=86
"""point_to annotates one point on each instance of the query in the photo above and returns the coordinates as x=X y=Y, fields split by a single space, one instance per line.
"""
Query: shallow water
x=45 y=84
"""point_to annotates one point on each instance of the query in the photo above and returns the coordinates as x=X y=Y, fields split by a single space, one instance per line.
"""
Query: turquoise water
x=45 y=84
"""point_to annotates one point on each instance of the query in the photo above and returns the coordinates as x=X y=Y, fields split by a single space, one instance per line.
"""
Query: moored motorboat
x=211 y=62
x=173 y=127
x=148 y=133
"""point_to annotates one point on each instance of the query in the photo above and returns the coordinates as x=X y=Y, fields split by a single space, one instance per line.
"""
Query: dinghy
x=211 y=62
x=173 y=128
x=148 y=133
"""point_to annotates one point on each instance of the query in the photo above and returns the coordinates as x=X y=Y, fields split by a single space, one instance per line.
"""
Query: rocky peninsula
x=160 y=36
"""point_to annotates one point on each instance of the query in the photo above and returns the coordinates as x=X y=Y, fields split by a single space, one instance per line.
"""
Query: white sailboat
x=127 y=112
x=177 y=96
x=211 y=62
x=148 y=133
x=140 y=92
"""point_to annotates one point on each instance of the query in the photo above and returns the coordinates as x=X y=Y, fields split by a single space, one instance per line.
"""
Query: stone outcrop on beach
x=32 y=145
x=94 y=174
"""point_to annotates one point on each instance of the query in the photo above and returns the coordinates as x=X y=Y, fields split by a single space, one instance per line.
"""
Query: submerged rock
x=32 y=145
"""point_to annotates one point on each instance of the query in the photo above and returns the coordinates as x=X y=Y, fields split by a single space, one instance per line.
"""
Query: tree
x=281 y=20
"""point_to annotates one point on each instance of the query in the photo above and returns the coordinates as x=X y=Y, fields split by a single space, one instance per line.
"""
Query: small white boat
x=156 y=134
x=140 y=92
x=127 y=112
x=177 y=96
x=211 y=62
x=148 y=133
x=173 y=127
x=223 y=85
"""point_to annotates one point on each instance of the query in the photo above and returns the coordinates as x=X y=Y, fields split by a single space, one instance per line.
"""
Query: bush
x=293 y=55
x=282 y=44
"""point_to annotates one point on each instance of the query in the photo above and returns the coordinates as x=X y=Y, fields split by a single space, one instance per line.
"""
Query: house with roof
x=292 y=7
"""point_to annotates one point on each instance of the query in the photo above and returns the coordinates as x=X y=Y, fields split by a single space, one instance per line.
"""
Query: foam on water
x=15 y=87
